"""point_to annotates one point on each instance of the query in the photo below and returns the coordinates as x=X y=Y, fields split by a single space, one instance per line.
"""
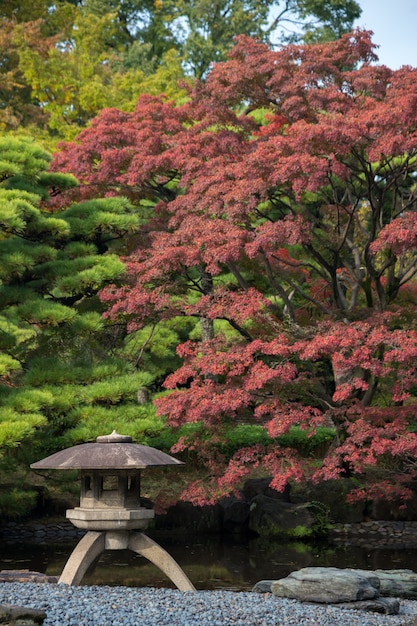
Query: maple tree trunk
x=207 y=329
x=206 y=324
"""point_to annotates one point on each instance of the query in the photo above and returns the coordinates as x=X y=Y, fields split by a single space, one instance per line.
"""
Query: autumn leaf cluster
x=284 y=215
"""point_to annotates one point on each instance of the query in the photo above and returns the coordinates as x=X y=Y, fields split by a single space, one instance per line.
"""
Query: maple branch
x=240 y=279
x=370 y=392
x=301 y=264
x=390 y=262
x=264 y=215
x=357 y=272
x=207 y=328
x=277 y=286
x=196 y=284
x=404 y=207
x=306 y=296
x=280 y=18
x=145 y=344
x=237 y=327
x=408 y=274
x=336 y=287
x=278 y=202
x=206 y=280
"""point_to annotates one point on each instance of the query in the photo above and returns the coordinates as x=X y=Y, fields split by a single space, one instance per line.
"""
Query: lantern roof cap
x=110 y=452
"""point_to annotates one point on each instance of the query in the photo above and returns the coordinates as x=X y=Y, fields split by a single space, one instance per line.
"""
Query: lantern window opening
x=109 y=483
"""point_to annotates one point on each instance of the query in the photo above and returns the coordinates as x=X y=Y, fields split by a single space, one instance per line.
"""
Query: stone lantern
x=110 y=508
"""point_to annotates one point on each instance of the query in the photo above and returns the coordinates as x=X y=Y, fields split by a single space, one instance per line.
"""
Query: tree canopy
x=65 y=374
x=284 y=195
x=62 y=62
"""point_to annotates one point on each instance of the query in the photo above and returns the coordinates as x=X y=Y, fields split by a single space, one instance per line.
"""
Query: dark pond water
x=211 y=562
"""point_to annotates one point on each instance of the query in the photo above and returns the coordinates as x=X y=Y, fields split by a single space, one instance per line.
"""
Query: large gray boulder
x=378 y=604
x=327 y=585
x=347 y=588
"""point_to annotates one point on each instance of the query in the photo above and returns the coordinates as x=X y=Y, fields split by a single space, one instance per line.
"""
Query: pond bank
x=211 y=561
x=395 y=535
x=398 y=535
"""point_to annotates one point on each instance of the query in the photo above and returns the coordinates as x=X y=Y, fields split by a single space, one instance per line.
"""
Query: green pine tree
x=64 y=375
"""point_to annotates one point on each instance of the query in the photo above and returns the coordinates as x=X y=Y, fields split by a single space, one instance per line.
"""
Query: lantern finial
x=114 y=437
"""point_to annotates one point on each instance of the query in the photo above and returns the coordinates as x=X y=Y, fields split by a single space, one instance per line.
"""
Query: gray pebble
x=132 y=606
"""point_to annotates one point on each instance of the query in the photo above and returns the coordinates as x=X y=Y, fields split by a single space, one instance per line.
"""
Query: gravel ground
x=128 y=606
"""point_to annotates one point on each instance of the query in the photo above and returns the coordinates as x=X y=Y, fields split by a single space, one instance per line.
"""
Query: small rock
x=24 y=576
x=263 y=586
x=14 y=615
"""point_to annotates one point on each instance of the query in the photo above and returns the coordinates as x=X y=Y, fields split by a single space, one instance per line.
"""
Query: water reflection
x=211 y=562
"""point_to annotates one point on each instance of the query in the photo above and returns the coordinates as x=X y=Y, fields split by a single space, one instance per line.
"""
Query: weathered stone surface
x=263 y=586
x=235 y=515
x=274 y=518
x=376 y=534
x=317 y=584
x=25 y=576
x=399 y=583
x=387 y=606
x=326 y=585
x=13 y=615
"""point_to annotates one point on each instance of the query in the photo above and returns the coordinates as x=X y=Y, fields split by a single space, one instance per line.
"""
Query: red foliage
x=300 y=233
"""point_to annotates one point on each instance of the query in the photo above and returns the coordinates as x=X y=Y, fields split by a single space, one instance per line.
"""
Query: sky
x=394 y=23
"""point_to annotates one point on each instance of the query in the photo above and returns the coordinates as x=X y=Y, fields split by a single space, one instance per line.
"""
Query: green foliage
x=167 y=437
x=137 y=421
x=61 y=381
x=244 y=435
x=29 y=399
x=324 y=21
x=101 y=220
x=21 y=156
x=17 y=503
x=44 y=313
x=305 y=442
x=153 y=348
x=300 y=532
x=233 y=438
x=8 y=364
x=63 y=62
x=322 y=519
x=16 y=426
x=80 y=70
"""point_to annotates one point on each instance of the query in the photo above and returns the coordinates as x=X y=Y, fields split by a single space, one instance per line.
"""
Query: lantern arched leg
x=87 y=550
x=94 y=543
x=146 y=547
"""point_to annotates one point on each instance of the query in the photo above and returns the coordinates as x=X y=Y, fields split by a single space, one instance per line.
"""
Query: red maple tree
x=284 y=194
